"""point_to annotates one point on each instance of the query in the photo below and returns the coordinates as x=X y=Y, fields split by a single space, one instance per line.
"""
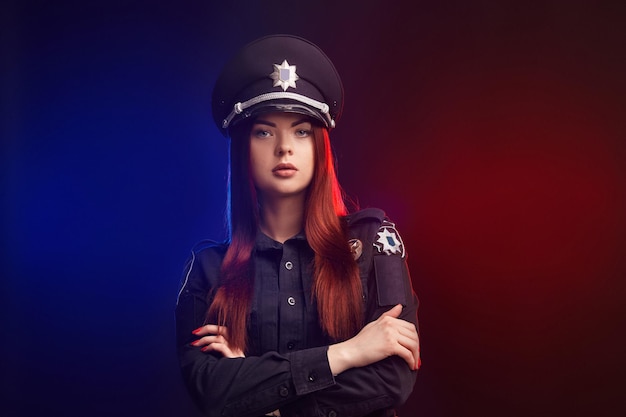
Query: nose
x=284 y=145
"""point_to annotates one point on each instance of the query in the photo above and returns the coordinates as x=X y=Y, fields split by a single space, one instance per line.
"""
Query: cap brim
x=283 y=106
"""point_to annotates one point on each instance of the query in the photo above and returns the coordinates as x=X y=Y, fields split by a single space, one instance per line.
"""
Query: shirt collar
x=264 y=242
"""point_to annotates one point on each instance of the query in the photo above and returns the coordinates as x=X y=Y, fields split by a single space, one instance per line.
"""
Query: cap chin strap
x=238 y=108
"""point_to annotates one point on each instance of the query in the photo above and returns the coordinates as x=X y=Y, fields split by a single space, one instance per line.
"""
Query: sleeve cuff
x=310 y=370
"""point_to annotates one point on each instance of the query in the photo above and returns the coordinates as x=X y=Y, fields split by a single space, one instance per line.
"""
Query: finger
x=210 y=329
x=208 y=340
x=202 y=330
x=405 y=354
x=409 y=338
x=393 y=312
x=409 y=341
x=215 y=347
x=418 y=360
x=399 y=324
x=409 y=331
x=224 y=350
x=410 y=344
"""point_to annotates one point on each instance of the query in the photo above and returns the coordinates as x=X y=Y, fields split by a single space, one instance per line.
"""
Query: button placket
x=291 y=296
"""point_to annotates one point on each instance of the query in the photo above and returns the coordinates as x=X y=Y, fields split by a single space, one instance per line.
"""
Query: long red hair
x=336 y=283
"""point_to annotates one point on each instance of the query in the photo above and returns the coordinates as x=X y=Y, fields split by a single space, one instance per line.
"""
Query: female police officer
x=306 y=310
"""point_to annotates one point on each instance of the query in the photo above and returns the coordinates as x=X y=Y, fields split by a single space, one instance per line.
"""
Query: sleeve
x=240 y=387
x=386 y=384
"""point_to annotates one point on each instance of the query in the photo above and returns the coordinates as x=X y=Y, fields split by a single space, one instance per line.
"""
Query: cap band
x=239 y=107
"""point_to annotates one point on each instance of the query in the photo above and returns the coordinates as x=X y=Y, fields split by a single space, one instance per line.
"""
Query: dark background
x=492 y=132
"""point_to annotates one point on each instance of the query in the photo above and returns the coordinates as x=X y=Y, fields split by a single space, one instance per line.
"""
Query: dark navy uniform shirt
x=286 y=366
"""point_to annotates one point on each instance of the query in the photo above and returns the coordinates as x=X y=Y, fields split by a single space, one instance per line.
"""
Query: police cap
x=277 y=73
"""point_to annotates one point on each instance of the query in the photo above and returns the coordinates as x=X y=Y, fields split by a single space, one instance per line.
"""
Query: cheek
x=260 y=151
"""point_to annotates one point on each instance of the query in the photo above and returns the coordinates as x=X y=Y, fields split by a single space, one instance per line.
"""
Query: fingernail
x=196 y=331
x=419 y=363
x=194 y=343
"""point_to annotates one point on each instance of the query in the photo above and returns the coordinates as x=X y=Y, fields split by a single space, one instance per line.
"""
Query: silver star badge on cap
x=284 y=75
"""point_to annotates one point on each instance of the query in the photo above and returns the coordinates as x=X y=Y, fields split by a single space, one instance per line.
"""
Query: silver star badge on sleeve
x=389 y=241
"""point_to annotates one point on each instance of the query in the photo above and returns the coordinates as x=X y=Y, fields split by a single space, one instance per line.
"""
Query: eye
x=261 y=133
x=303 y=133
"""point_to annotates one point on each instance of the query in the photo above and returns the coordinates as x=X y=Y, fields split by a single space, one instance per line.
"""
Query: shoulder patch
x=356 y=247
x=388 y=240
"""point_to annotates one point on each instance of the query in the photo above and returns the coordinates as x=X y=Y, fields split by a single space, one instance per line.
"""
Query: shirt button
x=291 y=345
x=312 y=377
x=291 y=301
x=289 y=265
x=332 y=413
x=284 y=392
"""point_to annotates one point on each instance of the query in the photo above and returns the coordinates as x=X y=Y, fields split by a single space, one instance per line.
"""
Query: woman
x=306 y=310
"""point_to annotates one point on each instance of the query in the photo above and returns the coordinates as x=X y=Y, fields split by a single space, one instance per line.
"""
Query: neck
x=282 y=218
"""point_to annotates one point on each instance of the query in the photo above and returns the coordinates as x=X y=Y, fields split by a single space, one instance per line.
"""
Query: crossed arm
x=384 y=337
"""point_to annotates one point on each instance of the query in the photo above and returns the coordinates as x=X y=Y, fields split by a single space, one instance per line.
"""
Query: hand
x=215 y=339
x=384 y=337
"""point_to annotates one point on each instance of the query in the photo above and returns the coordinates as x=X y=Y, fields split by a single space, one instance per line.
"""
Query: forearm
x=368 y=376
x=358 y=391
x=254 y=385
x=339 y=359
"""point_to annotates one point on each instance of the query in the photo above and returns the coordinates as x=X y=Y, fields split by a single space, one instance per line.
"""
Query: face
x=282 y=154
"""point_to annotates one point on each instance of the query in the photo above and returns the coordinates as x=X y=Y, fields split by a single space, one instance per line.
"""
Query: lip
x=284 y=170
x=283 y=165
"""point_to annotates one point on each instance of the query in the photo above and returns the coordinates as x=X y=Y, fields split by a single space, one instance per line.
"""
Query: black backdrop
x=490 y=131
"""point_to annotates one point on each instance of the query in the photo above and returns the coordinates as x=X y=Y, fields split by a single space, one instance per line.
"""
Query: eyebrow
x=298 y=122
x=264 y=122
x=294 y=124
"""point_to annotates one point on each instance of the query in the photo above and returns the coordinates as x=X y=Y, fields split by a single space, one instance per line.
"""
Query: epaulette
x=371 y=213
x=376 y=244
